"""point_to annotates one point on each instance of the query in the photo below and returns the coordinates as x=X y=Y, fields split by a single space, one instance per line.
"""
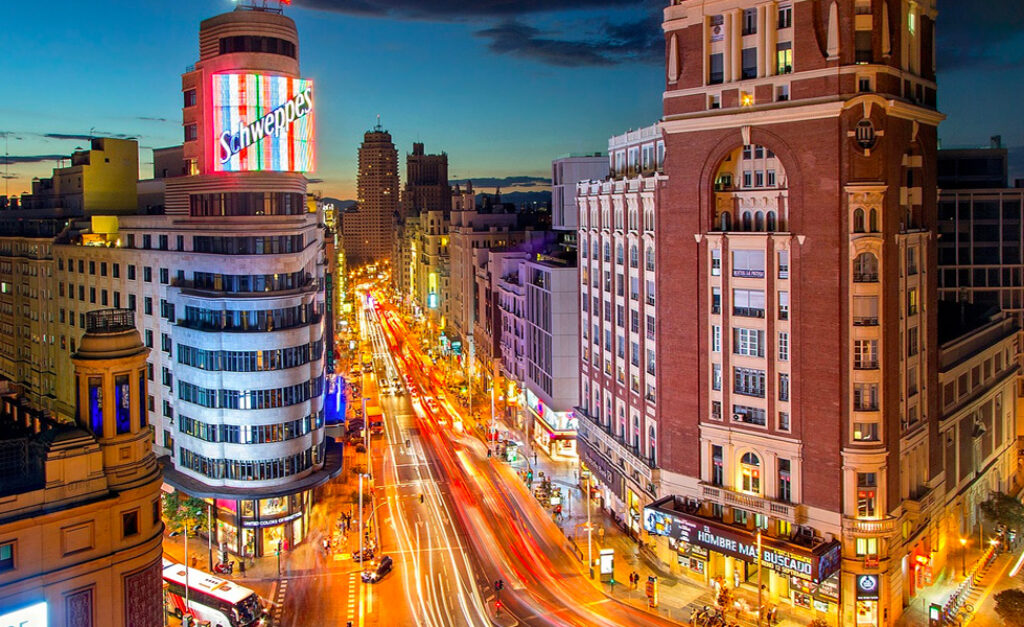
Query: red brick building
x=797 y=355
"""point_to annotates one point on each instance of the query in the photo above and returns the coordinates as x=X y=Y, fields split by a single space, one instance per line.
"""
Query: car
x=377 y=570
x=367 y=554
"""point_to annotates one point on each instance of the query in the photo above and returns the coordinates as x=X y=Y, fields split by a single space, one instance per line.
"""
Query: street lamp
x=760 y=586
x=963 y=556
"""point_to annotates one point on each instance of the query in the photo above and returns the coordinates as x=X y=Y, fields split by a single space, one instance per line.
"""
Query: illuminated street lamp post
x=590 y=534
x=963 y=556
x=760 y=587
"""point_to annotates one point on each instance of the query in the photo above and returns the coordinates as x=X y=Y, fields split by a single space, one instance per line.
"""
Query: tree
x=1010 y=607
x=1003 y=509
x=180 y=510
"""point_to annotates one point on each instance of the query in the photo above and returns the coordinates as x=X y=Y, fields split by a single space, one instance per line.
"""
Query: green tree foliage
x=1010 y=607
x=180 y=510
x=1003 y=509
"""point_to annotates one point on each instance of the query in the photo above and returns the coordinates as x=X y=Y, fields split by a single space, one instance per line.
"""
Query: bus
x=224 y=603
x=375 y=418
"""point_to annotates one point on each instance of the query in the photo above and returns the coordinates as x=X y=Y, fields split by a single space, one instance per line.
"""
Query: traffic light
x=499 y=584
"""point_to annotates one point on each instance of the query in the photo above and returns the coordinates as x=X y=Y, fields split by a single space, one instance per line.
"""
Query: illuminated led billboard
x=262 y=123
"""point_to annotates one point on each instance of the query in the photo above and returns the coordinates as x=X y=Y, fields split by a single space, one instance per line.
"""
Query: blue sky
x=502 y=91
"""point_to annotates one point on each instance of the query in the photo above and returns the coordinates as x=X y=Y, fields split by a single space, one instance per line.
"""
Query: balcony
x=630 y=457
x=865 y=321
x=866 y=364
x=748 y=312
x=862 y=527
x=749 y=502
x=865 y=277
x=747 y=273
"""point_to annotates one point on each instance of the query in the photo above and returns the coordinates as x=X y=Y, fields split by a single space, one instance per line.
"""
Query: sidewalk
x=677 y=598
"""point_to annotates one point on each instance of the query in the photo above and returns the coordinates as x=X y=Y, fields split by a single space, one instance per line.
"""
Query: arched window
x=634 y=256
x=865 y=268
x=858 y=221
x=649 y=254
x=759 y=221
x=619 y=259
x=873 y=225
x=750 y=471
x=770 y=222
x=746 y=221
x=726 y=221
x=607 y=252
x=652 y=443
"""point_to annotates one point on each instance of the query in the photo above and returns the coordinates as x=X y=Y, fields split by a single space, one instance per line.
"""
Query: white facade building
x=566 y=172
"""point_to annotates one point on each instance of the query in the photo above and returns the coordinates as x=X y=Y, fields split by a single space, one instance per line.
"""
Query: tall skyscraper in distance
x=426 y=182
x=369 y=231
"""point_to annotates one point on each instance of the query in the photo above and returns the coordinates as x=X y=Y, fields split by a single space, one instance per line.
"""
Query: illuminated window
x=867 y=483
x=750 y=473
x=6 y=557
x=867 y=546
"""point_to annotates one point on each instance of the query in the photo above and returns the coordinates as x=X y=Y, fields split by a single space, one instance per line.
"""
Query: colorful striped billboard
x=262 y=123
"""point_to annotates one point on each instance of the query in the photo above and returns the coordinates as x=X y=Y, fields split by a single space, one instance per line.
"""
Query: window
x=190 y=98
x=864 y=85
x=865 y=354
x=716 y=75
x=716 y=376
x=147 y=306
x=749 y=415
x=716 y=300
x=862 y=45
x=912 y=301
x=783 y=264
x=117 y=270
x=716 y=410
x=6 y=557
x=165 y=277
x=865 y=396
x=750 y=473
x=129 y=523
x=191 y=132
x=783 y=305
x=716 y=262
x=749 y=382
x=749 y=21
x=783 y=386
x=867 y=547
x=784 y=421
x=785 y=481
x=865 y=311
x=784 y=57
x=867 y=482
x=748 y=342
x=149 y=338
x=865 y=431
x=717 y=466
x=748 y=303
x=748 y=264
x=716 y=338
x=147 y=274
x=783 y=346
x=865 y=268
x=911 y=261
x=749 y=69
x=785 y=17
x=912 y=344
x=131 y=272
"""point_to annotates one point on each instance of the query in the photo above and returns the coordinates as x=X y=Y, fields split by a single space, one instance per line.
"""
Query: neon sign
x=262 y=123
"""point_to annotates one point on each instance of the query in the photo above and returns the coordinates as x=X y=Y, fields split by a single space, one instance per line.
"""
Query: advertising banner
x=262 y=123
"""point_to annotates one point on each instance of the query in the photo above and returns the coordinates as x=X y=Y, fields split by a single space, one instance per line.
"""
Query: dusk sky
x=503 y=90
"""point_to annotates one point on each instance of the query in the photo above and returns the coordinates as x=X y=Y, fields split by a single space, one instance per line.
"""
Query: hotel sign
x=780 y=556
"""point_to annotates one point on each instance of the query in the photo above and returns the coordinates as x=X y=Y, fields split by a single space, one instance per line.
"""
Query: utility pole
x=590 y=533
x=187 y=568
x=209 y=532
x=361 y=556
x=760 y=587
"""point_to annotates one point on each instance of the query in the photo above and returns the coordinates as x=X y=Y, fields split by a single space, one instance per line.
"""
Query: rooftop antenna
x=378 y=128
x=272 y=6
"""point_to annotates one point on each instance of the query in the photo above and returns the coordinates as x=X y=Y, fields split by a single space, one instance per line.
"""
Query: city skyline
x=494 y=115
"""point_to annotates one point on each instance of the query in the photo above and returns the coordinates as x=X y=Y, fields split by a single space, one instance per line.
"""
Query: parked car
x=377 y=570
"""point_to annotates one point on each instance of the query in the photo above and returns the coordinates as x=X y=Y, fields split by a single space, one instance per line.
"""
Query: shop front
x=553 y=431
x=717 y=553
x=261 y=527
x=608 y=479
x=866 y=612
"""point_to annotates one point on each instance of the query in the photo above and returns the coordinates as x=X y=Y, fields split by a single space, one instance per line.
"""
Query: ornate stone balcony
x=749 y=502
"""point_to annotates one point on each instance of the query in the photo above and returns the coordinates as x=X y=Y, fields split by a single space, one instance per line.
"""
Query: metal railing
x=109 y=320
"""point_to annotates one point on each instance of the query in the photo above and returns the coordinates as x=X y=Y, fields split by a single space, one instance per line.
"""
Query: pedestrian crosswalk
x=353 y=597
x=282 y=590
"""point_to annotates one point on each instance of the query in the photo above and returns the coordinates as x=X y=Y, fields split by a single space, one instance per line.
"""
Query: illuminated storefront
x=257 y=527
x=867 y=600
x=709 y=550
x=554 y=431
